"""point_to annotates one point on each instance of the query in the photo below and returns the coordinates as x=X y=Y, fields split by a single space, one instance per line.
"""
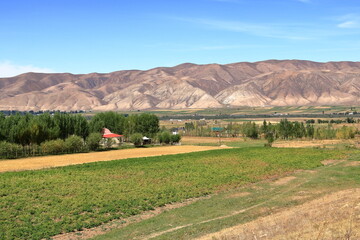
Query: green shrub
x=327 y=132
x=269 y=136
x=93 y=141
x=74 y=144
x=345 y=132
x=165 y=137
x=175 y=138
x=53 y=147
x=10 y=150
x=136 y=139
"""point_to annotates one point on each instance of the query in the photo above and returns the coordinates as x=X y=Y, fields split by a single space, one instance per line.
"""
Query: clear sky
x=83 y=36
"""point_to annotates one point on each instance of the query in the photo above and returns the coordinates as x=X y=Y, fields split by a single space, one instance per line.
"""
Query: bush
x=269 y=136
x=93 y=141
x=165 y=137
x=175 y=138
x=10 y=150
x=74 y=144
x=345 y=132
x=53 y=147
x=136 y=139
x=109 y=143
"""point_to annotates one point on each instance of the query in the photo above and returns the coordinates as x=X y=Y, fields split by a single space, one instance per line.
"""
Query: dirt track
x=71 y=159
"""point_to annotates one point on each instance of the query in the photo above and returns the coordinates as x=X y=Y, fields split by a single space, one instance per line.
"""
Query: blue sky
x=83 y=36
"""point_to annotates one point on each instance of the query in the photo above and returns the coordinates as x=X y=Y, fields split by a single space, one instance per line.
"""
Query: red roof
x=108 y=134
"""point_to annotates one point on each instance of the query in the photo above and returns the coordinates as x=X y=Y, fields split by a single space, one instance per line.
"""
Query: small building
x=146 y=140
x=107 y=134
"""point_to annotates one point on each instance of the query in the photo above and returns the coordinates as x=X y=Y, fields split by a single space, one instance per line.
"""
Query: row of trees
x=34 y=129
x=285 y=129
x=28 y=135
x=292 y=130
x=72 y=144
x=334 y=121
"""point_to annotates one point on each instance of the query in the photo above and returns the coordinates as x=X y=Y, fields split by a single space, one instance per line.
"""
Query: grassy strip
x=43 y=203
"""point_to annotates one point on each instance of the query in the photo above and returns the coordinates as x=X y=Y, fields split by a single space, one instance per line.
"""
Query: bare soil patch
x=352 y=164
x=238 y=195
x=72 y=159
x=331 y=162
x=284 y=180
x=334 y=216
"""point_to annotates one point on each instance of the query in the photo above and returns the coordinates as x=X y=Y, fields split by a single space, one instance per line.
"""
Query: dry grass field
x=311 y=143
x=334 y=216
x=208 y=140
x=72 y=159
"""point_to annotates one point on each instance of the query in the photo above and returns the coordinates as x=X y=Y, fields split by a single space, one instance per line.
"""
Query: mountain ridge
x=188 y=85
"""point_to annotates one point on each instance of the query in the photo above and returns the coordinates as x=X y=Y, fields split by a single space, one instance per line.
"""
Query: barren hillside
x=266 y=83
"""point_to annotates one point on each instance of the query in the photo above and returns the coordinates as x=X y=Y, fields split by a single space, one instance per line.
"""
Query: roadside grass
x=40 y=204
x=241 y=205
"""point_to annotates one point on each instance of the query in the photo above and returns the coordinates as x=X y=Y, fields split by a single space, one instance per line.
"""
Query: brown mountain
x=266 y=83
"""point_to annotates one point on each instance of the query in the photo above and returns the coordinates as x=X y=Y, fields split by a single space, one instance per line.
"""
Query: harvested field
x=72 y=159
x=206 y=140
x=335 y=216
x=313 y=143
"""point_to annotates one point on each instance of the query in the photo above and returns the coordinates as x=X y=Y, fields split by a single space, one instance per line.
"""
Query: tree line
x=63 y=132
x=285 y=129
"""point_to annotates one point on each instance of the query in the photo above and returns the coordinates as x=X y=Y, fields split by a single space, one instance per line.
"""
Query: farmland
x=321 y=203
x=43 y=203
x=71 y=159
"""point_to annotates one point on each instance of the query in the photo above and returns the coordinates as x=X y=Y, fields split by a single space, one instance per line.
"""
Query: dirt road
x=71 y=159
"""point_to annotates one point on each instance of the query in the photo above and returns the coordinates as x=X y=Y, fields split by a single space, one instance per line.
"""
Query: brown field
x=311 y=143
x=72 y=159
x=335 y=216
x=197 y=140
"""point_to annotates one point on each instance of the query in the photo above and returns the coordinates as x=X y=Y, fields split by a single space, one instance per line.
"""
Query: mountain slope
x=265 y=83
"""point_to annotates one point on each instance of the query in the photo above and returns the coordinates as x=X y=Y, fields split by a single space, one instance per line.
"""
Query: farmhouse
x=107 y=134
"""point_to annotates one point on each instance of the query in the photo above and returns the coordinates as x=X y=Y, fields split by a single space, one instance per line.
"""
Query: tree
x=93 y=141
x=175 y=138
x=136 y=139
x=250 y=130
x=111 y=120
x=74 y=144
x=189 y=126
x=81 y=126
x=285 y=128
x=269 y=136
x=264 y=127
x=147 y=124
x=310 y=130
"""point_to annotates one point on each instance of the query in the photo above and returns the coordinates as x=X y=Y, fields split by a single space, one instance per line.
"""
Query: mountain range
x=264 y=83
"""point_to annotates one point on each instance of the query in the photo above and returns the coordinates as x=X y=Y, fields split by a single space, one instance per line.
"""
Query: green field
x=242 y=205
x=40 y=204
